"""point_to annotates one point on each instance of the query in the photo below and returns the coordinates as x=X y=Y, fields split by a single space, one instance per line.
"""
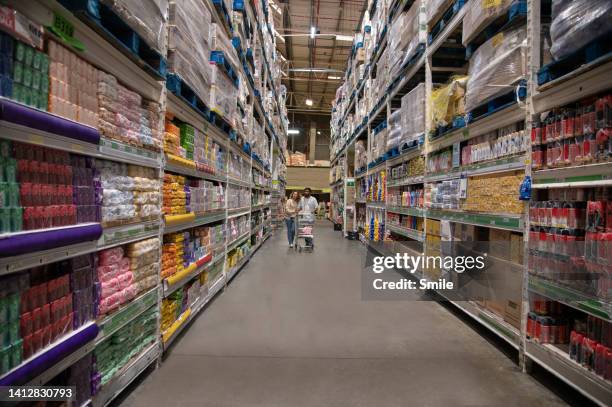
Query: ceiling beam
x=333 y=53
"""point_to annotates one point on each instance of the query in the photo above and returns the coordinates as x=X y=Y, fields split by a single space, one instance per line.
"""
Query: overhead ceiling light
x=334 y=77
x=308 y=102
x=348 y=38
x=319 y=133
x=313 y=31
x=293 y=131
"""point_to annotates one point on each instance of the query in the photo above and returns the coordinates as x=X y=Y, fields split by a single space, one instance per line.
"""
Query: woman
x=291 y=211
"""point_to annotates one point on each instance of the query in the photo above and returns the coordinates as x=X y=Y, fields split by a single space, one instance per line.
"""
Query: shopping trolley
x=304 y=231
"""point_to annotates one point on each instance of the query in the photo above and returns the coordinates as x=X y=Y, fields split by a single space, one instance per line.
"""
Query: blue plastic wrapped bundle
x=575 y=23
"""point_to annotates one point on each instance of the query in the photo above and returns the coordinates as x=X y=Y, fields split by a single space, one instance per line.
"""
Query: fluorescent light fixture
x=318 y=132
x=347 y=38
x=313 y=31
x=308 y=102
x=334 y=78
x=293 y=131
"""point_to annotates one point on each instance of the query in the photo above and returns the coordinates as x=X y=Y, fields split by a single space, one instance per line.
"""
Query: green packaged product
x=5 y=360
x=16 y=353
x=13 y=307
x=18 y=72
x=29 y=56
x=27 y=76
x=17 y=92
x=13 y=331
x=5 y=220
x=10 y=170
x=5 y=339
x=43 y=102
x=20 y=51
x=3 y=311
x=4 y=195
x=5 y=148
x=13 y=194
x=44 y=84
x=16 y=219
x=36 y=60
x=27 y=96
x=44 y=63
x=36 y=80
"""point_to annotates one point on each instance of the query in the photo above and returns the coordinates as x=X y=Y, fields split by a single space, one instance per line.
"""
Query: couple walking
x=306 y=204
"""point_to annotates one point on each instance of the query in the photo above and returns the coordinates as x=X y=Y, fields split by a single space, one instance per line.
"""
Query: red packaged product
x=608 y=371
x=43 y=172
x=537 y=332
x=596 y=216
x=589 y=147
x=27 y=346
x=23 y=174
x=603 y=108
x=588 y=353
x=47 y=335
x=531 y=324
x=37 y=340
x=575 y=349
x=536 y=134
x=36 y=319
x=72 y=215
x=25 y=323
x=589 y=119
x=568 y=123
x=46 y=315
x=602 y=144
x=604 y=253
x=36 y=195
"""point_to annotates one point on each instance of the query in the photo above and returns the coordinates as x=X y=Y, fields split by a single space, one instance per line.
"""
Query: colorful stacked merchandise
x=42 y=188
x=116 y=352
x=73 y=92
x=188 y=134
x=238 y=197
x=11 y=342
x=573 y=135
x=124 y=273
x=122 y=116
x=144 y=263
x=147 y=199
x=238 y=226
x=173 y=251
x=172 y=140
x=41 y=305
x=175 y=195
x=117 y=192
x=24 y=73
x=172 y=308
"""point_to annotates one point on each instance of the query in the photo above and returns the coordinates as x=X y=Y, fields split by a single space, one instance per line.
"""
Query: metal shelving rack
x=588 y=80
x=102 y=54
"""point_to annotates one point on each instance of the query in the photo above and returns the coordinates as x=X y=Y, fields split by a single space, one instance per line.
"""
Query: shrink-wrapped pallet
x=448 y=101
x=189 y=45
x=481 y=13
x=496 y=67
x=575 y=23
x=149 y=18
x=407 y=32
x=413 y=114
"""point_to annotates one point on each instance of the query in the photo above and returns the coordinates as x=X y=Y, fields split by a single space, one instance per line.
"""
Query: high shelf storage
x=448 y=108
x=137 y=178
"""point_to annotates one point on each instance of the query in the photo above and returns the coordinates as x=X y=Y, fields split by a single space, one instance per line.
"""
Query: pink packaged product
x=110 y=256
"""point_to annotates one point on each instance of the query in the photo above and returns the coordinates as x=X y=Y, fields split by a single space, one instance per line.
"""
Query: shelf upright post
x=533 y=64
x=428 y=128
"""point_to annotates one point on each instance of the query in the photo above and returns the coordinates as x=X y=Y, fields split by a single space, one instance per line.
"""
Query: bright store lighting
x=313 y=31
x=334 y=78
x=348 y=38
x=293 y=131
x=308 y=102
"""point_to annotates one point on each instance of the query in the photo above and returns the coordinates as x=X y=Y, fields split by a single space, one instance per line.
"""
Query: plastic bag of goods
x=496 y=67
x=577 y=22
x=395 y=129
x=448 y=102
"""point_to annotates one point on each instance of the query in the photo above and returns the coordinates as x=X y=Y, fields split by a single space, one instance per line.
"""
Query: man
x=308 y=205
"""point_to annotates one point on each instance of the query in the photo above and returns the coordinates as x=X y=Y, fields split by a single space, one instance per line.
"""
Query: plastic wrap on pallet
x=220 y=42
x=223 y=94
x=448 y=101
x=189 y=45
x=577 y=22
x=394 y=136
x=433 y=9
x=479 y=14
x=361 y=154
x=405 y=35
x=379 y=143
x=413 y=114
x=147 y=17
x=496 y=66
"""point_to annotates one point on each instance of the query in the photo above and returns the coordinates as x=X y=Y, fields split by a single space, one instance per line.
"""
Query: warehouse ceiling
x=315 y=66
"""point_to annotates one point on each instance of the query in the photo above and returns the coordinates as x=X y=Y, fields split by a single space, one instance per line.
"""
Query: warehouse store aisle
x=293 y=331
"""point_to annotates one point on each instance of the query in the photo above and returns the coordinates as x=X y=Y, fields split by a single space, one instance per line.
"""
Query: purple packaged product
x=85 y=260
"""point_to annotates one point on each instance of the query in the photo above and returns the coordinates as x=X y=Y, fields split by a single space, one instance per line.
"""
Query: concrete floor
x=292 y=330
